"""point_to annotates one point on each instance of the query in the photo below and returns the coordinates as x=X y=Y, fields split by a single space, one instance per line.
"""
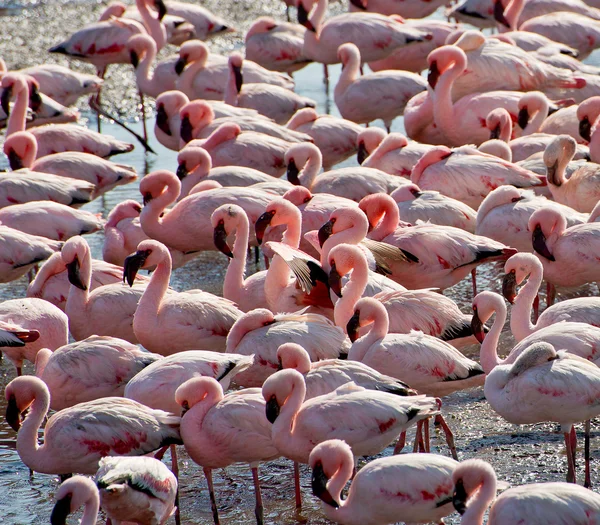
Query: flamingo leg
x=211 y=491
x=417 y=435
x=362 y=71
x=421 y=440
x=256 y=255
x=401 y=442
x=326 y=80
x=588 y=475
x=145 y=131
x=474 y=280
x=161 y=452
x=439 y=420
x=426 y=431
x=570 y=463
x=258 y=511
x=18 y=371
x=100 y=73
x=175 y=470
x=550 y=293
x=297 y=485
x=536 y=309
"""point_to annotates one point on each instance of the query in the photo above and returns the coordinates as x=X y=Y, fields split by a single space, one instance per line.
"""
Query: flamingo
x=108 y=310
x=76 y=438
x=563 y=122
x=425 y=480
x=219 y=430
x=524 y=265
x=193 y=319
x=276 y=45
x=183 y=227
x=122 y=233
x=272 y=101
x=513 y=14
x=248 y=293
x=587 y=114
x=96 y=367
x=431 y=206
x=136 y=488
x=206 y=24
x=167 y=374
x=304 y=162
x=260 y=333
x=74 y=493
x=504 y=214
x=383 y=95
x=168 y=123
x=335 y=137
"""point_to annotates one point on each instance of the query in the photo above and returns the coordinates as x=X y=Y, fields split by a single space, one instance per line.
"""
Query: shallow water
x=519 y=454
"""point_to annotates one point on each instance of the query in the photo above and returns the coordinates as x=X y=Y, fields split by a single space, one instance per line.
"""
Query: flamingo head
x=292 y=355
x=195 y=115
x=433 y=156
x=499 y=15
x=193 y=159
x=587 y=114
x=468 y=478
x=157 y=183
x=347 y=52
x=128 y=209
x=298 y=195
x=191 y=51
x=168 y=104
x=236 y=62
x=530 y=104
x=303 y=20
x=516 y=269
x=261 y=25
x=368 y=141
x=225 y=219
x=344 y=219
x=161 y=8
x=366 y=311
x=301 y=117
x=297 y=157
x=21 y=149
x=343 y=259
x=546 y=225
x=557 y=154
x=197 y=390
x=376 y=206
x=20 y=393
x=279 y=211
x=277 y=389
x=407 y=192
x=442 y=59
x=484 y=306
x=325 y=460
x=138 y=46
x=71 y=495
x=497 y=120
x=149 y=254
x=73 y=252
x=12 y=84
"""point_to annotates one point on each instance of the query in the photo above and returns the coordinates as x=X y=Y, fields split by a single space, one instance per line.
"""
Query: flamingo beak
x=262 y=224
x=325 y=232
x=495 y=133
x=272 y=409
x=477 y=326
x=335 y=281
x=182 y=171
x=303 y=18
x=319 y=486
x=161 y=8
x=239 y=77
x=551 y=175
x=523 y=118
x=132 y=264
x=433 y=75
x=186 y=129
x=499 y=14
x=416 y=193
x=35 y=99
x=293 y=172
x=459 y=497
x=13 y=414
x=220 y=239
x=353 y=326
x=134 y=59
x=5 y=100
x=146 y=198
x=74 y=274
x=538 y=240
x=162 y=120
x=585 y=128
x=61 y=510
x=509 y=287
x=362 y=153
x=15 y=162
x=180 y=65
x=28 y=336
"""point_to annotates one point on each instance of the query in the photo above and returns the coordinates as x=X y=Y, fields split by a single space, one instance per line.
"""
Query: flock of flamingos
x=346 y=341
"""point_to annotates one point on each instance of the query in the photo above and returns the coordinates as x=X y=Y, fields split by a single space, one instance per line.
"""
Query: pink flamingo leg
x=211 y=491
x=570 y=462
x=418 y=437
x=143 y=116
x=258 y=511
x=588 y=475
x=550 y=293
x=175 y=470
x=401 y=442
x=426 y=430
x=474 y=279
x=297 y=485
x=439 y=420
x=161 y=452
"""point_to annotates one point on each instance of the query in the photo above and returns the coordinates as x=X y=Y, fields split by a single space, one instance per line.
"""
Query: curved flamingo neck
x=151 y=212
x=154 y=293
x=488 y=353
x=443 y=107
x=351 y=293
x=513 y=12
x=389 y=223
x=31 y=453
x=197 y=413
x=283 y=428
x=78 y=299
x=143 y=78
x=153 y=25
x=481 y=501
x=231 y=92
x=310 y=170
x=53 y=266
x=233 y=286
x=520 y=317
x=352 y=235
x=319 y=14
x=350 y=72
x=561 y=167
x=41 y=360
x=92 y=506
x=335 y=486
x=18 y=115
x=377 y=333
x=293 y=229
x=534 y=125
x=186 y=80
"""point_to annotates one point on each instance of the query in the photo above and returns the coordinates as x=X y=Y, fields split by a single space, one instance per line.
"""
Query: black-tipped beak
x=262 y=224
x=585 y=127
x=5 y=100
x=416 y=193
x=220 y=239
x=13 y=414
x=132 y=264
x=303 y=18
x=272 y=409
x=499 y=14
x=509 y=287
x=134 y=58
x=162 y=120
x=362 y=153
x=74 y=275
x=15 y=162
x=182 y=171
x=185 y=406
x=239 y=78
x=433 y=75
x=319 y=486
x=30 y=336
x=495 y=133
x=61 y=510
x=35 y=99
x=293 y=172
x=186 y=129
x=551 y=174
x=523 y=118
x=477 y=327
x=180 y=65
x=161 y=8
x=353 y=326
x=459 y=497
x=359 y=4
x=147 y=197
x=325 y=232
x=335 y=281
x=538 y=240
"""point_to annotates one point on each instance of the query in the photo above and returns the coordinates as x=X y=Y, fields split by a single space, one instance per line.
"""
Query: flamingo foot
x=259 y=509
x=439 y=420
x=211 y=491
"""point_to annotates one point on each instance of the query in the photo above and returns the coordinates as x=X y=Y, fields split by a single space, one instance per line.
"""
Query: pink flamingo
x=194 y=319
x=387 y=92
x=581 y=191
x=260 y=333
x=276 y=45
x=475 y=489
x=431 y=206
x=50 y=219
x=419 y=9
x=74 y=493
x=21 y=252
x=168 y=373
x=108 y=310
x=563 y=122
x=304 y=162
x=248 y=293
x=335 y=137
x=183 y=227
x=468 y=175
x=168 y=123
x=42 y=325
x=524 y=265
x=425 y=480
x=219 y=430
x=391 y=153
x=272 y=101
x=504 y=214
x=136 y=488
x=205 y=22
x=21 y=149
x=96 y=367
x=375 y=35
x=513 y=14
x=76 y=438
x=587 y=114
x=198 y=121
